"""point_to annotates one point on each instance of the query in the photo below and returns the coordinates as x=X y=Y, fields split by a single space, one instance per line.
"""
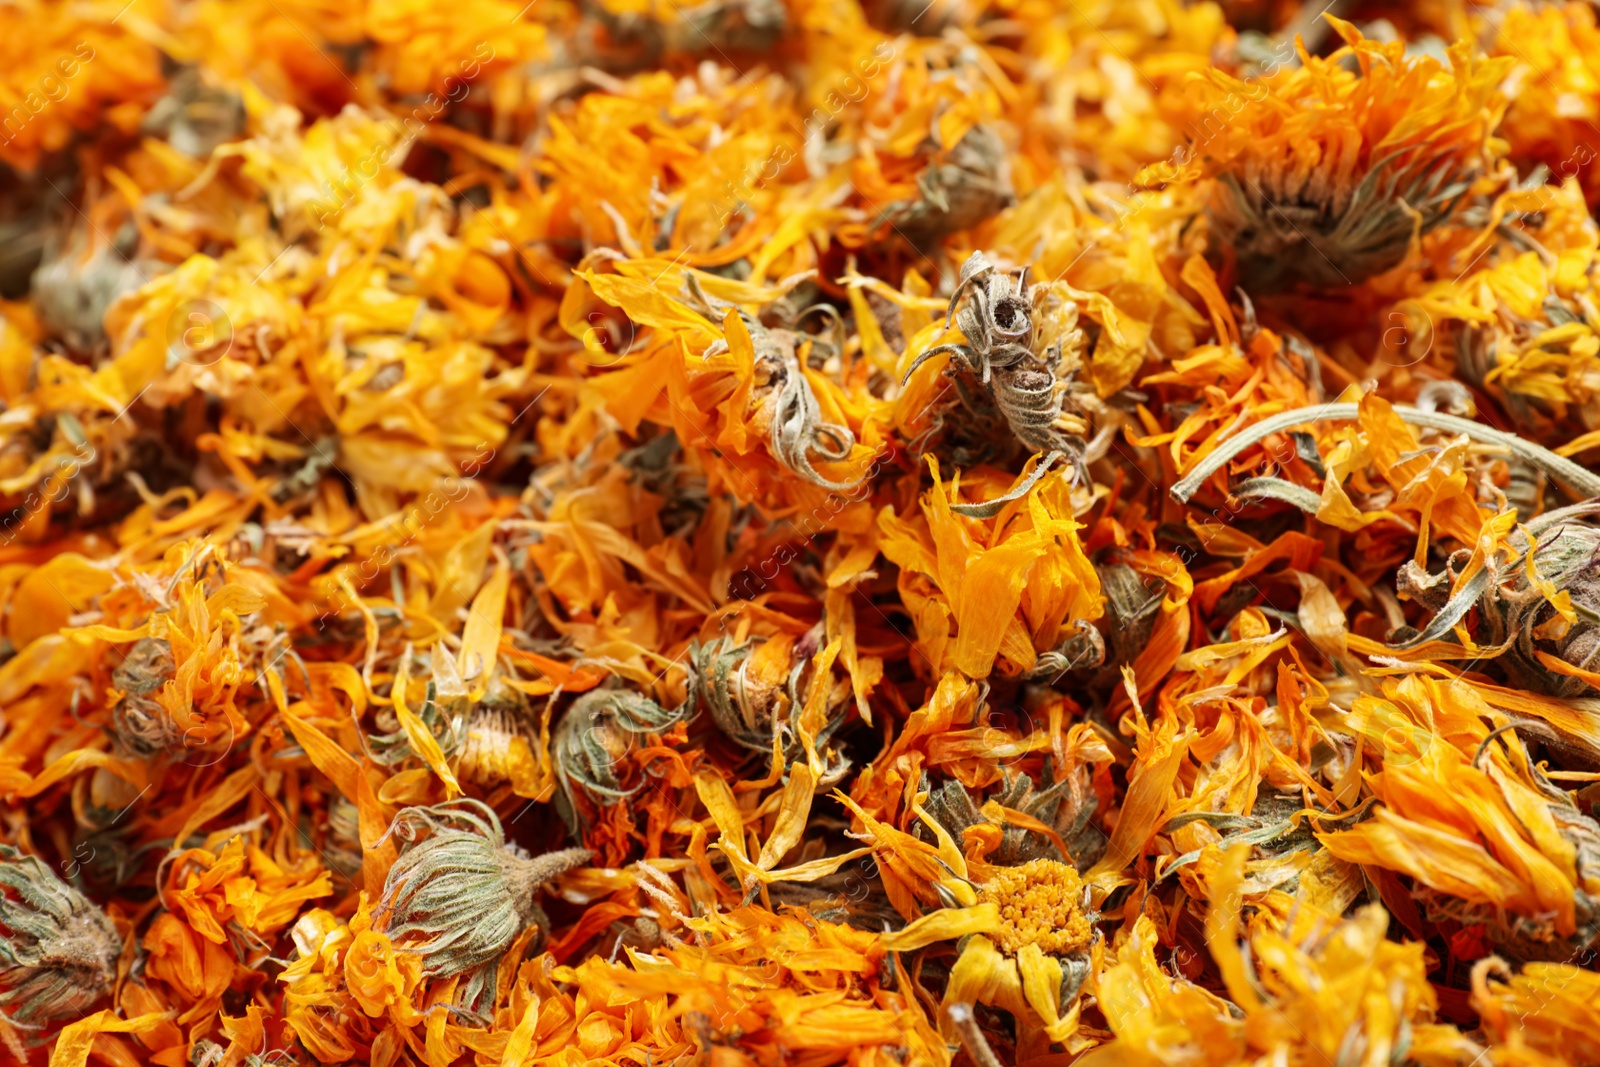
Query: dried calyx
x=799 y=439
x=754 y=712
x=1065 y=807
x=1450 y=600
x=1132 y=604
x=1084 y=648
x=140 y=725
x=77 y=283
x=1567 y=557
x=459 y=895
x=207 y=1053
x=998 y=368
x=395 y=746
x=596 y=732
x=1343 y=237
x=1273 y=828
x=195 y=117
x=968 y=184
x=58 y=951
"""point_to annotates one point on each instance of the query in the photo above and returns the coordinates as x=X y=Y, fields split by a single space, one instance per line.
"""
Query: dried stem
x=972 y=1036
x=1581 y=481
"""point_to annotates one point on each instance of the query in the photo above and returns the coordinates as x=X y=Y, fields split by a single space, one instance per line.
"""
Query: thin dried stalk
x=1584 y=482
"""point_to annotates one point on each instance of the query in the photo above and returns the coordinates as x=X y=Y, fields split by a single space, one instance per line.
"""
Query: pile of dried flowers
x=800 y=532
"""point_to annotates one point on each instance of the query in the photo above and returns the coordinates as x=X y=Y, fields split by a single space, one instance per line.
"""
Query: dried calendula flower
x=76 y=284
x=58 y=951
x=997 y=317
x=1538 y=607
x=962 y=187
x=745 y=705
x=1041 y=904
x=501 y=735
x=594 y=735
x=798 y=436
x=139 y=723
x=1550 y=610
x=417 y=402
x=1467 y=814
x=751 y=691
x=1132 y=605
x=1033 y=960
x=196 y=117
x=460 y=895
x=1557 y=49
x=1327 y=173
x=1031 y=943
x=1319 y=990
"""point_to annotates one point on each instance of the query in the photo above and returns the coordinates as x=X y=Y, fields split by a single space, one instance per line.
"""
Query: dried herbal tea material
x=58 y=950
x=594 y=736
x=1002 y=351
x=1040 y=904
x=459 y=894
x=847 y=533
x=1328 y=174
x=963 y=186
x=139 y=721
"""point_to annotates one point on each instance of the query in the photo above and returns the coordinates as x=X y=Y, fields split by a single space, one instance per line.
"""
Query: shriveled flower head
x=500 y=740
x=58 y=951
x=1030 y=954
x=594 y=736
x=1326 y=174
x=461 y=895
x=784 y=399
x=1537 y=614
x=959 y=188
x=1551 y=612
x=1010 y=375
x=139 y=720
x=754 y=690
x=179 y=688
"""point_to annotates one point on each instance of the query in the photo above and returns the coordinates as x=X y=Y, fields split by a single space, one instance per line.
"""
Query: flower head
x=1041 y=904
x=58 y=951
x=459 y=896
x=1328 y=174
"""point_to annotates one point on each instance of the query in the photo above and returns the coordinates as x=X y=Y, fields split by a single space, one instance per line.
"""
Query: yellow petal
x=480 y=638
x=76 y=1039
x=423 y=743
x=946 y=924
